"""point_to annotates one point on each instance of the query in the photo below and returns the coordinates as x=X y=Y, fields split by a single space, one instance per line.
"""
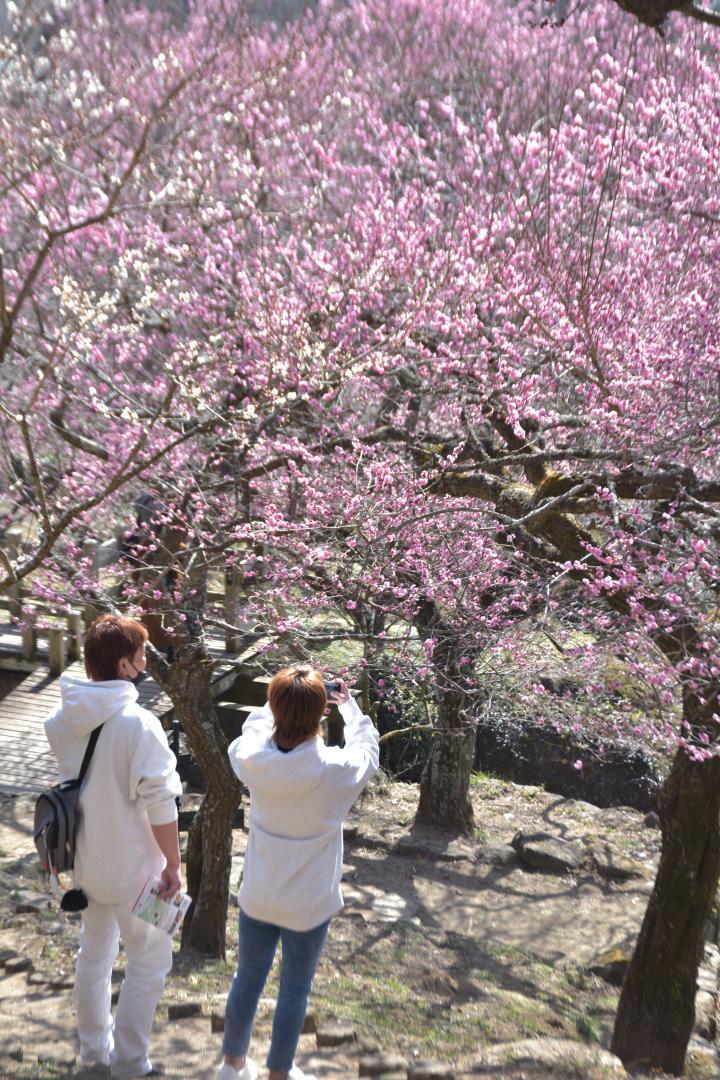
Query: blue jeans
x=257 y=943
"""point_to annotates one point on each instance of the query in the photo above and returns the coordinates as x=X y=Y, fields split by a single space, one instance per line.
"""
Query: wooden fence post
x=29 y=642
x=90 y=551
x=231 y=608
x=75 y=635
x=56 y=649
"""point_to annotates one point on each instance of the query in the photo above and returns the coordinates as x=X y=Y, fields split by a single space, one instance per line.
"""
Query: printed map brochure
x=167 y=915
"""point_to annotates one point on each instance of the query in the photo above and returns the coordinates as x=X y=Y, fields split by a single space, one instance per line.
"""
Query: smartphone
x=332 y=688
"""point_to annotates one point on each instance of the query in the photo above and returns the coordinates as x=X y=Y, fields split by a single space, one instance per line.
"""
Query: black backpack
x=57 y=817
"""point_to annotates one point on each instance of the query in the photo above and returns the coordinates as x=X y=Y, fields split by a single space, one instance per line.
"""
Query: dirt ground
x=445 y=946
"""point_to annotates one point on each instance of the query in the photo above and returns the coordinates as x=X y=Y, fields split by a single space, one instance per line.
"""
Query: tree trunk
x=657 y=1005
x=445 y=782
x=210 y=840
x=656 y=1011
x=208 y=876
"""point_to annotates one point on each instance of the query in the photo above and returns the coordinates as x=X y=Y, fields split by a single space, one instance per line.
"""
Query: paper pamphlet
x=167 y=915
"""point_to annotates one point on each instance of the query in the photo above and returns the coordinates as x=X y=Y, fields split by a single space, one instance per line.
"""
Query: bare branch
x=404 y=731
x=702 y=14
x=80 y=442
x=6 y=561
x=387 y=433
x=627 y=484
x=549 y=506
x=35 y=473
x=702 y=214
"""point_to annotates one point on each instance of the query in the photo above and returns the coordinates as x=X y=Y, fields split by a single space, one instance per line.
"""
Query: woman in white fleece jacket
x=128 y=832
x=300 y=791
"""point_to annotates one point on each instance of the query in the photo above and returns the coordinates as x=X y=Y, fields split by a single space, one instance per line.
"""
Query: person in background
x=300 y=791
x=128 y=832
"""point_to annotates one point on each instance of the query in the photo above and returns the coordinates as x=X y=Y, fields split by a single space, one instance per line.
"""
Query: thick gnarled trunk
x=445 y=782
x=210 y=839
x=208 y=876
x=657 y=1005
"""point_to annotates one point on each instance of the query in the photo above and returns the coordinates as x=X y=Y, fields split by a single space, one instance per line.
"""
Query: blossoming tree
x=428 y=337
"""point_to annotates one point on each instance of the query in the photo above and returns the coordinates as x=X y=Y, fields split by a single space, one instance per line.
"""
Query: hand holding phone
x=337 y=692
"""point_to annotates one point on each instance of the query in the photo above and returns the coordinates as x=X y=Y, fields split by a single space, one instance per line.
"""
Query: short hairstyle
x=298 y=700
x=109 y=638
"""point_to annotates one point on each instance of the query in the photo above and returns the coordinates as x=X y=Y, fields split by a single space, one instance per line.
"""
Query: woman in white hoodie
x=128 y=832
x=300 y=791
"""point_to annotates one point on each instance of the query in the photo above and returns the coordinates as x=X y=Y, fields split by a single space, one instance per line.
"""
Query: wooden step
x=186 y=818
x=231 y=717
x=248 y=688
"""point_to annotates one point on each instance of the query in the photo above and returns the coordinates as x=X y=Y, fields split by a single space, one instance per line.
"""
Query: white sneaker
x=297 y=1074
x=249 y=1071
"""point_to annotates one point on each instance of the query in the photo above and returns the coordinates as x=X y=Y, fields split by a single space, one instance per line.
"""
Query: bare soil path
x=446 y=945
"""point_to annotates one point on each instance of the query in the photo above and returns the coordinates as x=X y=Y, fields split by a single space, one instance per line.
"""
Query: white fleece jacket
x=131 y=783
x=298 y=799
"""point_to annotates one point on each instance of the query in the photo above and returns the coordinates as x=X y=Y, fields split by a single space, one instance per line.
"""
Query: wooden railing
x=64 y=630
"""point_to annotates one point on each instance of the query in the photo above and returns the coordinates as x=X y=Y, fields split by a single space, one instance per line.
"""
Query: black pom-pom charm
x=74 y=900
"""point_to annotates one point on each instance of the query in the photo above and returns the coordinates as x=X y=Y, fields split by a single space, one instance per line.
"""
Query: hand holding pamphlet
x=167 y=915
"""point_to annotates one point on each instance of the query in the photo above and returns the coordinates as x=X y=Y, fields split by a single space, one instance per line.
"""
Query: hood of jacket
x=289 y=774
x=86 y=705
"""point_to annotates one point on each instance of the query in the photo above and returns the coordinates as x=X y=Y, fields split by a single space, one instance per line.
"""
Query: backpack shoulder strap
x=94 y=736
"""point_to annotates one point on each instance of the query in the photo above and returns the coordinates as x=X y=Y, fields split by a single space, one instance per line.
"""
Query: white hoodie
x=131 y=783
x=298 y=799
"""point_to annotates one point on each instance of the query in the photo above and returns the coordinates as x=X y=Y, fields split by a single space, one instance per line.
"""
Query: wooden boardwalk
x=26 y=763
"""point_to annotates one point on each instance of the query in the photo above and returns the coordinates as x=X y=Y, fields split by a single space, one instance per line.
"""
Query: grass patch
x=487 y=785
x=41 y=1070
x=588 y=1028
x=427 y=993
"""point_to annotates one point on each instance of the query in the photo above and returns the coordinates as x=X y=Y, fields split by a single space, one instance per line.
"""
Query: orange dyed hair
x=298 y=700
x=109 y=639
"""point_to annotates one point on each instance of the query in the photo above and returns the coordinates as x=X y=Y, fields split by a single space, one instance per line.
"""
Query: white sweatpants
x=148 y=950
